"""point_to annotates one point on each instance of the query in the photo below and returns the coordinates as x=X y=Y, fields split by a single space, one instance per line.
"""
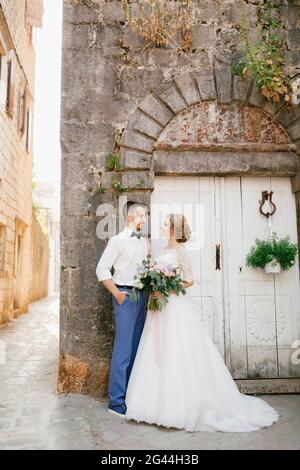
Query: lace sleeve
x=186 y=266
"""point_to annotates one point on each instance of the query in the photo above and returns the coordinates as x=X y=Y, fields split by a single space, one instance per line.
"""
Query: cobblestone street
x=34 y=416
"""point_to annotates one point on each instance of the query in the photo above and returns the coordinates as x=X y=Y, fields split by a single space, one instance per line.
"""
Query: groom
x=124 y=252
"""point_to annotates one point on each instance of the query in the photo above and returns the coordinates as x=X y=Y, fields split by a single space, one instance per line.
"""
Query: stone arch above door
x=239 y=131
x=213 y=125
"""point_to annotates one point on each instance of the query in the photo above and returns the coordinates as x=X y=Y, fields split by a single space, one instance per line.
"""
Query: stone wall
x=39 y=261
x=113 y=81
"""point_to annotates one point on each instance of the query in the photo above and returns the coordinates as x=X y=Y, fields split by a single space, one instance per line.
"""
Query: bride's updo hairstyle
x=180 y=227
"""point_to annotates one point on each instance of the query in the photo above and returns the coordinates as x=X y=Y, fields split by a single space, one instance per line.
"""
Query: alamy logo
x=111 y=223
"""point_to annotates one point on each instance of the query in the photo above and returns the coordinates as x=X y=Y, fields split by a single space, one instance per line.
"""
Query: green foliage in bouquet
x=161 y=279
x=264 y=251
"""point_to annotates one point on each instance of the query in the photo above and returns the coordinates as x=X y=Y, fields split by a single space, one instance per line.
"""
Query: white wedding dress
x=179 y=378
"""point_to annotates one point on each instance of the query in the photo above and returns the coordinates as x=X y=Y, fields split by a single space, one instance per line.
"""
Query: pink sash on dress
x=156 y=332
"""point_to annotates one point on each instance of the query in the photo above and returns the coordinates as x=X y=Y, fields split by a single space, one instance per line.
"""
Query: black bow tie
x=135 y=234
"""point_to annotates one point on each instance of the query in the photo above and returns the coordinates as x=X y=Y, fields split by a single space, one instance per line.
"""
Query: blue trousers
x=129 y=323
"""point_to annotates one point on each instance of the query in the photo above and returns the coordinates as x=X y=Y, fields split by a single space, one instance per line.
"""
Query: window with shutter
x=3 y=81
x=10 y=93
x=2 y=246
x=23 y=108
x=28 y=124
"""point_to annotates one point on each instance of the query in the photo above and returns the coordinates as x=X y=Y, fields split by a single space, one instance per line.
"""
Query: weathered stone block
x=256 y=98
x=75 y=36
x=298 y=146
x=206 y=84
x=173 y=99
x=296 y=183
x=83 y=138
x=83 y=376
x=203 y=35
x=294 y=130
x=207 y=11
x=144 y=124
x=293 y=38
x=230 y=39
x=104 y=36
x=241 y=87
x=292 y=60
x=76 y=201
x=69 y=228
x=200 y=59
x=88 y=36
x=188 y=89
x=223 y=75
x=291 y=14
x=272 y=108
x=75 y=169
x=138 y=179
x=156 y=110
x=80 y=13
x=72 y=248
x=132 y=159
x=137 y=141
x=78 y=101
x=141 y=196
x=288 y=115
x=225 y=162
x=163 y=56
x=263 y=387
x=113 y=12
x=132 y=39
x=233 y=13
x=147 y=80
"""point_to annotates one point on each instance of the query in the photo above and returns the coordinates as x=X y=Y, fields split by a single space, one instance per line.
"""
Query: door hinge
x=218 y=256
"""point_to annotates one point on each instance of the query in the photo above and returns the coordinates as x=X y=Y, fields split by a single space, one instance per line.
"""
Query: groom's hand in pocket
x=120 y=296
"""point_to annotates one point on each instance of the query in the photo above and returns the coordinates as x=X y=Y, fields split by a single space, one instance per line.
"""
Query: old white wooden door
x=253 y=317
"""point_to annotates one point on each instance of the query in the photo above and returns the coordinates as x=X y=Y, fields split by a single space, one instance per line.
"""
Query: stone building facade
x=177 y=114
x=39 y=260
x=17 y=21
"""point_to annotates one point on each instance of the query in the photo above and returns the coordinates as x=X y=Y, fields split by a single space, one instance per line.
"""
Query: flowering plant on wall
x=263 y=60
x=272 y=255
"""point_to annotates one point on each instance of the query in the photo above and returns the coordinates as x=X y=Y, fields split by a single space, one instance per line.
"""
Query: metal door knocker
x=265 y=197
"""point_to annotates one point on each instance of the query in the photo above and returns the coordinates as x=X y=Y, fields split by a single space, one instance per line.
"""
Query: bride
x=179 y=378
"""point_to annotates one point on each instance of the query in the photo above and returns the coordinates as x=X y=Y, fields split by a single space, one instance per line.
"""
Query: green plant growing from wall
x=140 y=184
x=100 y=190
x=263 y=61
x=112 y=165
x=118 y=186
x=113 y=162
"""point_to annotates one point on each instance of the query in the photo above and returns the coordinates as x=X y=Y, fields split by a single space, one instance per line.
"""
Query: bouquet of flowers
x=157 y=278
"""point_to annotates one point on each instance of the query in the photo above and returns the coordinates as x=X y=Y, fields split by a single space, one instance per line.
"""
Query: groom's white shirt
x=124 y=253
